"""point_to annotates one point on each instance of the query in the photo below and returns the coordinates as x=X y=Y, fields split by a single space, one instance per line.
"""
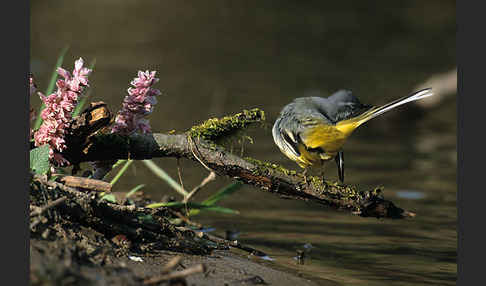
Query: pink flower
x=137 y=104
x=59 y=106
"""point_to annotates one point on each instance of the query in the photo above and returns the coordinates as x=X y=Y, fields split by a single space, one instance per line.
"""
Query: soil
x=82 y=240
x=82 y=256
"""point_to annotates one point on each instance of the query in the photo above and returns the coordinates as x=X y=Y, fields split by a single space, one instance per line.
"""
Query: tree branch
x=198 y=144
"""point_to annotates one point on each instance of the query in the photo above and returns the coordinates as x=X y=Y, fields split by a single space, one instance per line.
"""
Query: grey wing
x=285 y=139
x=295 y=119
x=343 y=105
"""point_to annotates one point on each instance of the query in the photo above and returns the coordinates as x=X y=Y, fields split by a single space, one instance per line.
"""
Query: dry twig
x=185 y=219
x=86 y=183
x=211 y=177
x=40 y=210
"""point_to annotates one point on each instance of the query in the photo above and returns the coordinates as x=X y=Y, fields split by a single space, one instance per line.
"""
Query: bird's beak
x=340 y=164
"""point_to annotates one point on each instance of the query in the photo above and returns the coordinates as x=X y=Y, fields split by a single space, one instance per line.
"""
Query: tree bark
x=265 y=176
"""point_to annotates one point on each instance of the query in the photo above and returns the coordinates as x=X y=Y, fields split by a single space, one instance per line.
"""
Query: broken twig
x=40 y=210
x=86 y=183
x=211 y=177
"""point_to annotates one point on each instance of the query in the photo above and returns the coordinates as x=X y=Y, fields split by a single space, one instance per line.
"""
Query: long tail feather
x=374 y=112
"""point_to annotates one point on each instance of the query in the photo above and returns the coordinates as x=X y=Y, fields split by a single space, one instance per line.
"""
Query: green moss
x=342 y=192
x=216 y=128
x=316 y=182
x=263 y=167
x=213 y=128
x=378 y=191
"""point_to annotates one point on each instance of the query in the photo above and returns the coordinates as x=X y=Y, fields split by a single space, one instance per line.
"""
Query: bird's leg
x=304 y=174
x=340 y=164
x=322 y=172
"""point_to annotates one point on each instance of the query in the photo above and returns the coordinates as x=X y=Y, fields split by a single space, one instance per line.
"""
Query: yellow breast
x=329 y=138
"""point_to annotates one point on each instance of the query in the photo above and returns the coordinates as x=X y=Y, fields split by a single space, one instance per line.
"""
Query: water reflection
x=411 y=195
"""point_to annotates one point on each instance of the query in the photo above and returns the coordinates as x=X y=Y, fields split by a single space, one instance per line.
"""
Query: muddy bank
x=79 y=239
x=96 y=261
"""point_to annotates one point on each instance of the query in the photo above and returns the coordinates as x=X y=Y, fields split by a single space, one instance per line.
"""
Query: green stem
x=120 y=173
x=50 y=86
x=164 y=176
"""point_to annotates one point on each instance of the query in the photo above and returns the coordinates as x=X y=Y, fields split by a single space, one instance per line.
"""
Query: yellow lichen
x=214 y=128
x=263 y=167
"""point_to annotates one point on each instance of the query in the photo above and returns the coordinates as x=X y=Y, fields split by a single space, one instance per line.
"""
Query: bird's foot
x=304 y=174
x=322 y=177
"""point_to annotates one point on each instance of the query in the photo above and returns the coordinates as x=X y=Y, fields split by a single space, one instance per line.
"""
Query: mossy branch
x=215 y=128
x=198 y=144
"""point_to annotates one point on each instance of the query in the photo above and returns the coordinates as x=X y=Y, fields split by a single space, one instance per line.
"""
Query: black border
x=470 y=106
x=15 y=23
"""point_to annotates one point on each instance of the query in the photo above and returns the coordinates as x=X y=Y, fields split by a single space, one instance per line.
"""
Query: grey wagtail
x=312 y=130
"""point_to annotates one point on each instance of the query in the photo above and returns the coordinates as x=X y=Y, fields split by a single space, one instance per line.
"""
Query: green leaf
x=164 y=176
x=50 y=87
x=53 y=178
x=121 y=172
x=218 y=209
x=114 y=166
x=134 y=190
x=193 y=206
x=222 y=193
x=176 y=221
x=81 y=103
x=168 y=204
x=39 y=159
x=146 y=218
x=109 y=197
x=118 y=163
